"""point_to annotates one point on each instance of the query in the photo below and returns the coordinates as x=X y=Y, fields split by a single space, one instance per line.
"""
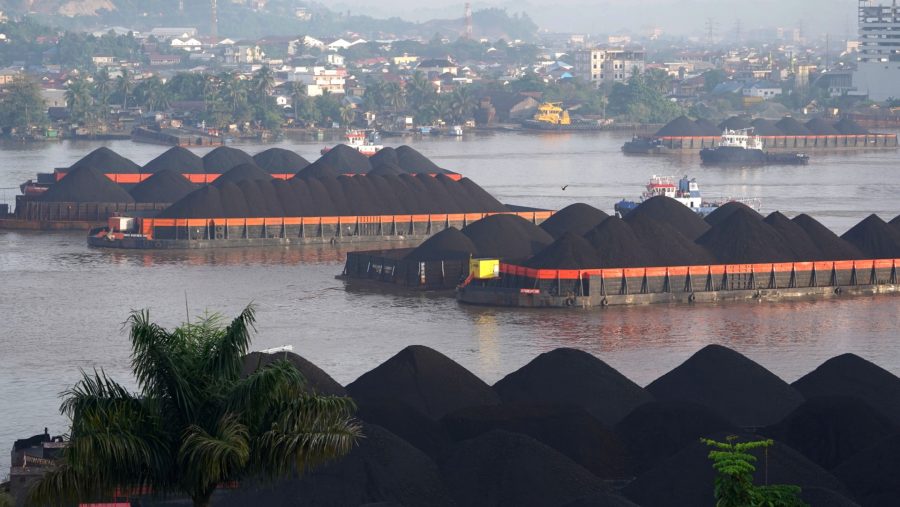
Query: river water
x=62 y=304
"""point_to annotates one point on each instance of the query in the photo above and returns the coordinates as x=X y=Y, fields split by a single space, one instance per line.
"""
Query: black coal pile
x=833 y=248
x=445 y=245
x=280 y=161
x=766 y=128
x=486 y=201
x=424 y=379
x=316 y=379
x=381 y=468
x=731 y=385
x=792 y=127
x=241 y=172
x=86 y=184
x=345 y=159
x=823 y=497
x=724 y=211
x=574 y=377
x=671 y=213
x=851 y=375
x=680 y=127
x=256 y=203
x=205 y=202
x=425 y=434
x=875 y=238
x=895 y=221
x=567 y=252
x=708 y=128
x=659 y=429
x=386 y=156
x=803 y=247
x=164 y=186
x=601 y=500
x=687 y=478
x=223 y=158
x=849 y=127
x=437 y=192
x=667 y=246
x=735 y=123
x=177 y=159
x=820 y=127
x=617 y=245
x=507 y=237
x=743 y=238
x=568 y=429
x=831 y=429
x=578 y=218
x=233 y=202
x=414 y=162
x=318 y=170
x=386 y=170
x=106 y=161
x=502 y=468
x=872 y=473
x=290 y=198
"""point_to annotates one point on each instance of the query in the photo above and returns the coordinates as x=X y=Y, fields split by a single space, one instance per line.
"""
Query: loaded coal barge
x=739 y=147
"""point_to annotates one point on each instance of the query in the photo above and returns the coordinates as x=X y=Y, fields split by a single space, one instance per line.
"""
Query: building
x=319 y=80
x=763 y=90
x=169 y=32
x=438 y=66
x=608 y=65
x=187 y=44
x=878 y=70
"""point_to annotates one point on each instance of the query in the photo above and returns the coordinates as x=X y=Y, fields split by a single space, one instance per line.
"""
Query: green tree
x=103 y=88
x=124 y=86
x=6 y=500
x=419 y=91
x=348 y=115
x=153 y=94
x=734 y=480
x=79 y=100
x=195 y=423
x=263 y=82
x=461 y=104
x=22 y=106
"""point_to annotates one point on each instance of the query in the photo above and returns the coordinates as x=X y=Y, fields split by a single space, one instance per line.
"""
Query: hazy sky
x=604 y=16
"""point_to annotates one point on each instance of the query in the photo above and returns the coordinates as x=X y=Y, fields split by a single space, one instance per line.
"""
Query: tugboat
x=686 y=191
x=640 y=145
x=365 y=142
x=740 y=147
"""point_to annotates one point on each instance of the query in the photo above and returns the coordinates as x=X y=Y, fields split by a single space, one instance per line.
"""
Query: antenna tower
x=214 y=22
x=468 y=20
x=710 y=30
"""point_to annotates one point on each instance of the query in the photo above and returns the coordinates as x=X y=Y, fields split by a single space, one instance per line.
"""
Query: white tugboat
x=363 y=141
x=685 y=190
x=741 y=147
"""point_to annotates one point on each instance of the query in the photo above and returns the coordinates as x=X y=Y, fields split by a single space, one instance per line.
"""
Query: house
x=169 y=32
x=187 y=44
x=438 y=66
x=103 y=60
x=405 y=61
x=608 y=65
x=504 y=107
x=319 y=80
x=8 y=75
x=312 y=42
x=762 y=89
x=158 y=60
x=242 y=52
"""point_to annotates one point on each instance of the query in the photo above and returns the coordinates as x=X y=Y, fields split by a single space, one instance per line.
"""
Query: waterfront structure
x=878 y=70
x=608 y=65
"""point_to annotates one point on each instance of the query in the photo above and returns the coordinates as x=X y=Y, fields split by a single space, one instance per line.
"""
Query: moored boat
x=365 y=142
x=685 y=190
x=740 y=147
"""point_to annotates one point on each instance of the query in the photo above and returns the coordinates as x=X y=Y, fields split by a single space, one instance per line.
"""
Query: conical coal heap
x=578 y=218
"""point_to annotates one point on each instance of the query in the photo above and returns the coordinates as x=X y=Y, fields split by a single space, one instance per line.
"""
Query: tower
x=468 y=14
x=214 y=22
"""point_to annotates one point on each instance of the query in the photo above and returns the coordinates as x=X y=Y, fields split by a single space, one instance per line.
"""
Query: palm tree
x=461 y=104
x=419 y=90
x=393 y=96
x=195 y=422
x=263 y=82
x=233 y=92
x=124 y=86
x=103 y=88
x=156 y=97
x=348 y=115
x=78 y=99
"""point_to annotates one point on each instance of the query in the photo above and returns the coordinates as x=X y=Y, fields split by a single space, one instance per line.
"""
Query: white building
x=762 y=89
x=187 y=44
x=878 y=71
x=177 y=31
x=609 y=65
x=319 y=80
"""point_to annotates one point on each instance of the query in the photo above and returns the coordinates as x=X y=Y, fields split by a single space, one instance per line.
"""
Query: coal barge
x=741 y=148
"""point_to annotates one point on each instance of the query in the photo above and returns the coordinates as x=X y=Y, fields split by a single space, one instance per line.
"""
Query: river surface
x=62 y=304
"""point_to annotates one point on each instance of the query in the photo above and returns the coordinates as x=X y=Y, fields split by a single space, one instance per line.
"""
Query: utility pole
x=710 y=30
x=468 y=15
x=737 y=30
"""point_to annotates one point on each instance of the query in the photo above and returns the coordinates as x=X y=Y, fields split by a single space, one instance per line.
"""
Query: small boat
x=685 y=190
x=455 y=131
x=740 y=147
x=640 y=145
x=363 y=141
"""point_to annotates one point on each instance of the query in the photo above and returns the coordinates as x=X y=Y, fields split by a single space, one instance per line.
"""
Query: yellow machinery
x=483 y=269
x=552 y=113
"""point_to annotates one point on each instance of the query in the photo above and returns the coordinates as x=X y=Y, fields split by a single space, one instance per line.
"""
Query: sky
x=677 y=17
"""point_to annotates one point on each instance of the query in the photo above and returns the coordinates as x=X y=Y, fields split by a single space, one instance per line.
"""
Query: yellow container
x=482 y=269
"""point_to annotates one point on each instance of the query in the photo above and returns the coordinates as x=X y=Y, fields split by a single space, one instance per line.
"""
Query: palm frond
x=265 y=387
x=225 y=354
x=210 y=459
x=62 y=486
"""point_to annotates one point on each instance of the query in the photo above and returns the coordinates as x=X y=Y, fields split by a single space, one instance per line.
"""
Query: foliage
x=713 y=78
x=643 y=100
x=734 y=480
x=6 y=500
x=22 y=105
x=195 y=422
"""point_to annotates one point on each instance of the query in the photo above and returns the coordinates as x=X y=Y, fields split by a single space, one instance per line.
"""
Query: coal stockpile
x=875 y=238
x=822 y=497
x=849 y=127
x=833 y=248
x=730 y=384
x=233 y=202
x=571 y=376
x=744 y=239
x=316 y=379
x=820 y=127
x=314 y=192
x=735 y=123
x=568 y=429
x=440 y=198
x=671 y=213
x=204 y=202
x=659 y=429
x=708 y=128
x=449 y=244
x=687 y=478
x=280 y=161
x=291 y=201
x=872 y=473
x=831 y=429
x=792 y=127
x=270 y=198
x=507 y=237
x=617 y=246
x=766 y=128
x=567 y=252
x=458 y=193
x=680 y=127
x=106 y=161
x=667 y=246
x=414 y=162
x=386 y=156
x=388 y=192
x=241 y=172
x=601 y=500
x=382 y=469
x=177 y=159
x=485 y=201
x=724 y=211
x=256 y=202
x=345 y=159
x=223 y=158
x=424 y=379
x=425 y=434
x=502 y=468
x=318 y=170
x=164 y=186
x=86 y=184
x=803 y=247
x=851 y=375
x=578 y=218
x=386 y=170
x=895 y=221
x=358 y=202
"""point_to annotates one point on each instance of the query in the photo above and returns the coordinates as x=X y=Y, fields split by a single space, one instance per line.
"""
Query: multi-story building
x=878 y=70
x=319 y=80
x=608 y=65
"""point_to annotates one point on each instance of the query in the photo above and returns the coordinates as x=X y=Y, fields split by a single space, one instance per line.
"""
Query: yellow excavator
x=552 y=113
